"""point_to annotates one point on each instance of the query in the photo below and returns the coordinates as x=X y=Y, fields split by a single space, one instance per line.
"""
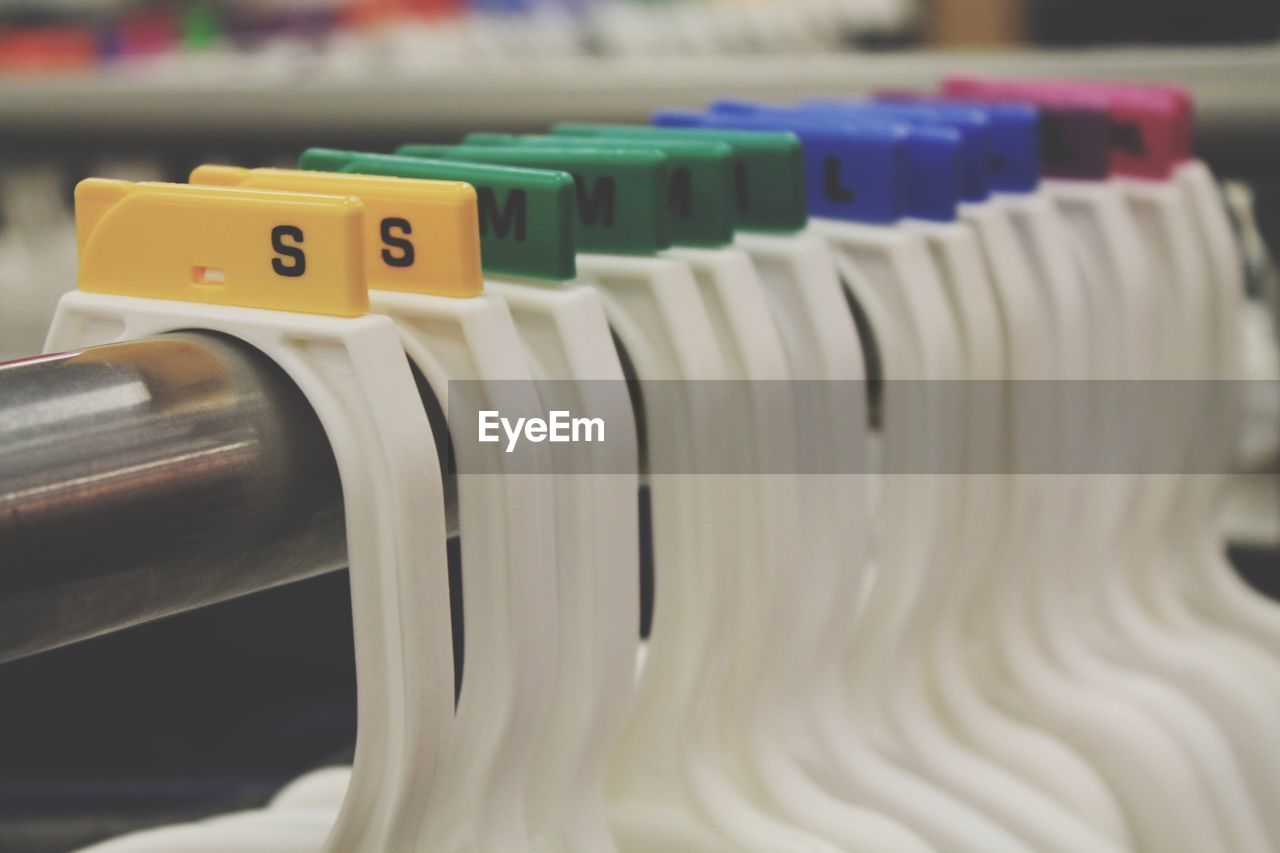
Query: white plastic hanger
x=664 y=788
x=567 y=341
x=1005 y=158
x=802 y=687
x=961 y=271
x=506 y=519
x=1194 y=252
x=455 y=333
x=823 y=730
x=998 y=241
x=1191 y=243
x=1167 y=235
x=1181 y=351
x=799 y=673
x=566 y=337
x=757 y=649
x=1167 y=707
x=1025 y=322
x=758 y=543
x=749 y=533
x=1214 y=585
x=318 y=789
x=690 y=823
x=297 y=831
x=979 y=260
x=751 y=565
x=799 y=270
x=738 y=572
x=140 y=246
x=902 y=496
x=936 y=750
x=1192 y=729
x=847 y=763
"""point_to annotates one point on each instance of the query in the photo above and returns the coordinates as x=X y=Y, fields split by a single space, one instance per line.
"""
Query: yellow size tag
x=223 y=246
x=420 y=236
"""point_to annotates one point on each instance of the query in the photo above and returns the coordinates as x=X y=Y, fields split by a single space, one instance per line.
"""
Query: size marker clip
x=420 y=236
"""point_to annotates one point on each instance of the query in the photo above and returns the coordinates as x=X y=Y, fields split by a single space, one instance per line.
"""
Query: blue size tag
x=934 y=168
x=972 y=125
x=1014 y=164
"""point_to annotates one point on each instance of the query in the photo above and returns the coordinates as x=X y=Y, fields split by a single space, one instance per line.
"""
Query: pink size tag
x=1173 y=97
x=1149 y=126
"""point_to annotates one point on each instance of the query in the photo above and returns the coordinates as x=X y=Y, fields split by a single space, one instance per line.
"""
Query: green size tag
x=526 y=215
x=768 y=168
x=619 y=192
x=699 y=180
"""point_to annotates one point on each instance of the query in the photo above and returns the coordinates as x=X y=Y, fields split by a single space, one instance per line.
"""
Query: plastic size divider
x=566 y=340
x=455 y=333
x=767 y=197
x=521 y=213
x=602 y=179
x=422 y=236
x=156 y=258
x=700 y=184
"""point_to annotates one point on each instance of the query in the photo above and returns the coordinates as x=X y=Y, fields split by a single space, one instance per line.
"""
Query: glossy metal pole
x=143 y=479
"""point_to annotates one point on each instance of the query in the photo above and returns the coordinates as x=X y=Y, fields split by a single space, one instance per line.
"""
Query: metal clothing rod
x=142 y=479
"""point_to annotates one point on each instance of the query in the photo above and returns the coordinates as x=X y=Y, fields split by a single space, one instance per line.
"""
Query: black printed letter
x=513 y=213
x=405 y=256
x=299 y=265
x=596 y=205
x=831 y=186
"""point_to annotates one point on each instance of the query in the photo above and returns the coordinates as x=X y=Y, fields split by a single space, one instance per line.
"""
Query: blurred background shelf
x=236 y=99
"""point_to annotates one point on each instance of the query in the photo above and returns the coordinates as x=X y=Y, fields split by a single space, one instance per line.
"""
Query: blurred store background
x=147 y=88
x=238 y=700
x=85 y=34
